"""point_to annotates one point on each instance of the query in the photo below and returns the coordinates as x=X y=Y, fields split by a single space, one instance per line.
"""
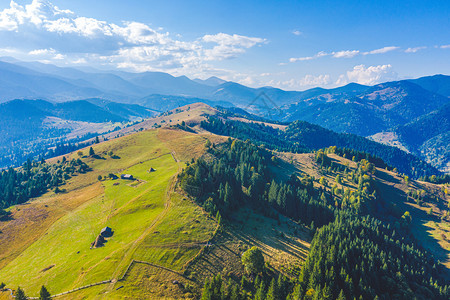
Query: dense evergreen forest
x=238 y=175
x=301 y=136
x=353 y=255
x=359 y=257
x=35 y=178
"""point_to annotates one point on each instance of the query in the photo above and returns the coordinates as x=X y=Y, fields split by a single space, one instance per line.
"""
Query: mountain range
x=389 y=112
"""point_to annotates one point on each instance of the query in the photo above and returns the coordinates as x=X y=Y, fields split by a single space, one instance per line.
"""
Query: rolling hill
x=439 y=84
x=156 y=229
x=167 y=240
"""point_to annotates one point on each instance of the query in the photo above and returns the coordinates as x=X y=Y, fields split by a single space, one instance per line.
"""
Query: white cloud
x=311 y=80
x=233 y=40
x=415 y=49
x=307 y=81
x=381 y=50
x=59 y=56
x=445 y=47
x=343 y=54
x=317 y=55
x=368 y=76
x=228 y=46
x=297 y=32
x=41 y=29
x=346 y=54
x=40 y=52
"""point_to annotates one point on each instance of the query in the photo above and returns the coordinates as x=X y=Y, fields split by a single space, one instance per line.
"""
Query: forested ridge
x=300 y=137
x=238 y=175
x=353 y=255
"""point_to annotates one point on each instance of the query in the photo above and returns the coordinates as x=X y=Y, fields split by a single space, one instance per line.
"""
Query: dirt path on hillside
x=127 y=258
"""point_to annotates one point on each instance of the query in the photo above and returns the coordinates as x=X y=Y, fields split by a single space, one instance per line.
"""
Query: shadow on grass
x=5 y=216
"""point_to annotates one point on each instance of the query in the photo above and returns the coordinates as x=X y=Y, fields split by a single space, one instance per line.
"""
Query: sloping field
x=141 y=212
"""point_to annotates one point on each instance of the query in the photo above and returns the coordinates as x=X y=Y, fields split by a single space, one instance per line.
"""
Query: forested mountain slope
x=300 y=136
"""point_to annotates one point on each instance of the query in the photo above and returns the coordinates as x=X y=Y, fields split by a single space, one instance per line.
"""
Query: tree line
x=35 y=178
x=301 y=137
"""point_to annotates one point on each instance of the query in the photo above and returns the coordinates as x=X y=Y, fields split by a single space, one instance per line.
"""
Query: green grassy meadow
x=61 y=259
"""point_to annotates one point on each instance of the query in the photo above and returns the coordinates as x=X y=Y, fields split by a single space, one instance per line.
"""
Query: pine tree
x=20 y=294
x=273 y=192
x=341 y=296
x=207 y=291
x=260 y=292
x=272 y=293
x=44 y=294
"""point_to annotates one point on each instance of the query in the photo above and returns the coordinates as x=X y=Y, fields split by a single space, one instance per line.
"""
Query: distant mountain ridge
x=24 y=119
x=414 y=115
x=353 y=108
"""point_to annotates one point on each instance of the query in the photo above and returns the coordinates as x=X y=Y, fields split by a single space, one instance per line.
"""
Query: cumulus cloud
x=346 y=54
x=229 y=46
x=305 y=82
x=311 y=80
x=368 y=75
x=41 y=29
x=415 y=49
x=41 y=52
x=297 y=32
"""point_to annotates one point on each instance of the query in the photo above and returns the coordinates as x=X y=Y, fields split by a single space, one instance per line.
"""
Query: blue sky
x=294 y=45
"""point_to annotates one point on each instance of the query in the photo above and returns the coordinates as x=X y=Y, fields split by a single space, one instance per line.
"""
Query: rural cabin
x=127 y=176
x=106 y=232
